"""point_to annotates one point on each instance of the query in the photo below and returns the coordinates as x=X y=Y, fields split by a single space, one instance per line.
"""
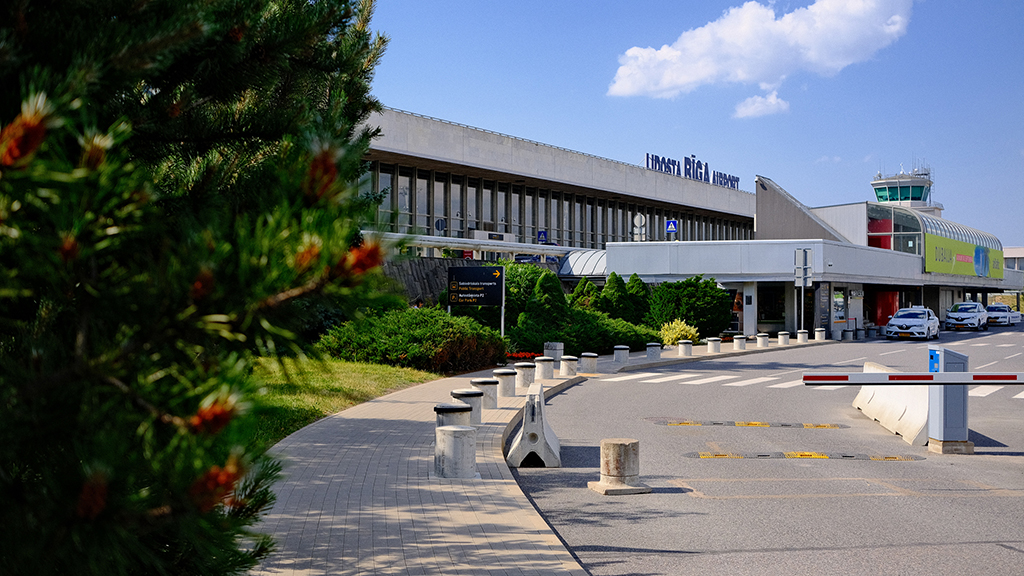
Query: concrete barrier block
x=506 y=382
x=685 y=348
x=620 y=468
x=535 y=435
x=901 y=410
x=455 y=452
x=545 y=367
x=568 y=367
x=489 y=387
x=588 y=363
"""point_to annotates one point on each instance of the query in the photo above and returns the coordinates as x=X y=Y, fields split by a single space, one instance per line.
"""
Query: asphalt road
x=921 y=513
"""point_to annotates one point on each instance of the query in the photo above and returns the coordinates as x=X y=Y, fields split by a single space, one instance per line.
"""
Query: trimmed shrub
x=676 y=330
x=613 y=299
x=584 y=295
x=639 y=297
x=422 y=338
x=590 y=331
x=701 y=303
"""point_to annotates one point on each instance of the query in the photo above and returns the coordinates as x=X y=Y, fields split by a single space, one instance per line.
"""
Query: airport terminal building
x=454 y=189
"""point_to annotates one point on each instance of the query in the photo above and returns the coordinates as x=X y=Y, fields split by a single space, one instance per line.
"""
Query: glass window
x=515 y=211
x=456 y=203
x=501 y=205
x=384 y=185
x=404 y=200
x=440 y=213
x=487 y=205
x=528 y=199
x=422 y=194
x=472 y=190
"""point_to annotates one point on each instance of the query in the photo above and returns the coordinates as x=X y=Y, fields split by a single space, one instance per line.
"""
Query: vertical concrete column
x=588 y=363
x=714 y=345
x=489 y=386
x=506 y=382
x=545 y=367
x=568 y=367
x=452 y=414
x=653 y=351
x=762 y=340
x=783 y=338
x=739 y=342
x=455 y=452
x=819 y=334
x=685 y=348
x=621 y=354
x=749 y=308
x=620 y=468
x=474 y=398
x=801 y=336
x=525 y=371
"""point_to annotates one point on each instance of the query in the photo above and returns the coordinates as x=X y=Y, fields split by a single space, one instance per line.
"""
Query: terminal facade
x=455 y=189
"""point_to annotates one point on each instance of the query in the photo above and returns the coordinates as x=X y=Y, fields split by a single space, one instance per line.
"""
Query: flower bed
x=522 y=356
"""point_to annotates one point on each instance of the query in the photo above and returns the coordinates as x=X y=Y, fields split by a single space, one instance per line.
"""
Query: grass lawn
x=318 y=389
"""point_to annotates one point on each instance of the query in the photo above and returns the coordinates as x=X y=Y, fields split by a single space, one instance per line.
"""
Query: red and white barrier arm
x=907 y=378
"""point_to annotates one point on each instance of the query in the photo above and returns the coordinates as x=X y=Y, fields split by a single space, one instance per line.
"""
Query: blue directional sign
x=671 y=226
x=542 y=235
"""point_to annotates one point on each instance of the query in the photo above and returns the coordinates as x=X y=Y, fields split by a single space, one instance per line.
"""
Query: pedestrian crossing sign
x=671 y=226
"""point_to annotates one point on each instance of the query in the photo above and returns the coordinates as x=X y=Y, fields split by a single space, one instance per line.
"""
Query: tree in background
x=613 y=299
x=639 y=299
x=584 y=295
x=173 y=175
x=698 y=302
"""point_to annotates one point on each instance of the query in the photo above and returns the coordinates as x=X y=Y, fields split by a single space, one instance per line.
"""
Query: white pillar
x=621 y=354
x=568 y=367
x=525 y=372
x=474 y=398
x=685 y=348
x=455 y=452
x=620 y=468
x=489 y=386
x=739 y=342
x=545 y=367
x=588 y=363
x=762 y=340
x=506 y=382
x=783 y=338
x=453 y=414
x=714 y=345
x=749 y=310
x=653 y=351
x=801 y=336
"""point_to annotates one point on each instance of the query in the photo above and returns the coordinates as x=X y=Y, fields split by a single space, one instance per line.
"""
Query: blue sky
x=818 y=96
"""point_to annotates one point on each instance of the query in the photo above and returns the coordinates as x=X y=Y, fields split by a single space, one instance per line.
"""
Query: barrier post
x=685 y=348
x=947 y=405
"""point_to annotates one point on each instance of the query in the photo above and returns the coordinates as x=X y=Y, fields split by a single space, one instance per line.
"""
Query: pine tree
x=583 y=295
x=173 y=175
x=639 y=299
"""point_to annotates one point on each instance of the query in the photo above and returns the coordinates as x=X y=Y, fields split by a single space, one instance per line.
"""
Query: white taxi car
x=914 y=322
x=967 y=315
x=1002 y=314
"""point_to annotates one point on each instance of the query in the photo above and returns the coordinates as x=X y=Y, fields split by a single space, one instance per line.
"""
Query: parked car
x=1002 y=314
x=966 y=315
x=914 y=322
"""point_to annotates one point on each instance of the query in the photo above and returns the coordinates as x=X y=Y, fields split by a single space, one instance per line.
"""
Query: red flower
x=215 y=417
x=217 y=485
x=321 y=175
x=20 y=139
x=69 y=248
x=93 y=497
x=202 y=286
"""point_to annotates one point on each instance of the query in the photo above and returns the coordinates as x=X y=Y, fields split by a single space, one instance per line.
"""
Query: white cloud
x=749 y=45
x=761 y=106
x=828 y=160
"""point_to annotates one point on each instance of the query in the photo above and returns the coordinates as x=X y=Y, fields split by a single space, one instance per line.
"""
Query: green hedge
x=422 y=338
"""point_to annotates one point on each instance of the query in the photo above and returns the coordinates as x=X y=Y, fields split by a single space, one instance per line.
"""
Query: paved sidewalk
x=358 y=496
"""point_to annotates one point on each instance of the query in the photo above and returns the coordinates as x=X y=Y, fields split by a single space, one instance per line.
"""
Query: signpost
x=672 y=227
x=477 y=286
x=802 y=276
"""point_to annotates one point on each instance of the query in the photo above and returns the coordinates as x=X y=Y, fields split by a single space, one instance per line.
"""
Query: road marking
x=1005 y=345
x=987 y=365
x=982 y=391
x=828 y=387
x=852 y=360
x=1021 y=395
x=631 y=377
x=1013 y=355
x=893 y=352
x=751 y=381
x=981 y=344
x=671 y=378
x=790 y=384
x=711 y=379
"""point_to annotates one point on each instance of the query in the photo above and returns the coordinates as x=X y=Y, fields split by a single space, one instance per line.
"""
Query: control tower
x=911 y=190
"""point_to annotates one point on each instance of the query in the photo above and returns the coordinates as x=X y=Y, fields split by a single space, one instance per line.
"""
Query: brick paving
x=358 y=496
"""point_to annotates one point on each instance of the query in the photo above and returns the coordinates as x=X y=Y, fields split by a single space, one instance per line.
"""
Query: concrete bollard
x=801 y=336
x=474 y=398
x=568 y=367
x=739 y=342
x=525 y=371
x=506 y=382
x=535 y=435
x=545 y=367
x=620 y=468
x=783 y=338
x=453 y=414
x=847 y=335
x=762 y=340
x=588 y=363
x=653 y=351
x=685 y=348
x=621 y=354
x=870 y=332
x=714 y=345
x=455 y=452
x=819 y=334
x=860 y=334
x=554 y=350
x=489 y=386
